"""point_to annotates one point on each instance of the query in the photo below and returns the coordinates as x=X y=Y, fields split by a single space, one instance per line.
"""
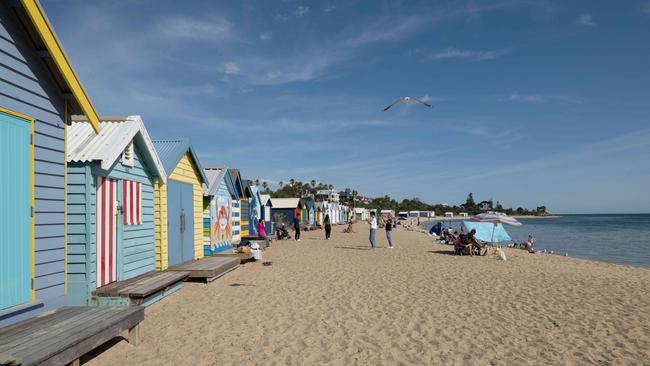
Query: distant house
x=486 y=205
x=449 y=214
x=361 y=213
x=283 y=210
x=463 y=214
x=329 y=195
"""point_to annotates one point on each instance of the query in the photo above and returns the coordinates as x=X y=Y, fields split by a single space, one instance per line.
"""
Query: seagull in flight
x=407 y=99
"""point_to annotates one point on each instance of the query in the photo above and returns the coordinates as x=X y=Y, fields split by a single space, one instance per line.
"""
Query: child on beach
x=373 y=229
x=328 y=227
x=350 y=229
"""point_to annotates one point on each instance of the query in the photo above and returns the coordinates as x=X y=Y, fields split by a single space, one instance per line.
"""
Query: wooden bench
x=207 y=269
x=62 y=337
x=144 y=289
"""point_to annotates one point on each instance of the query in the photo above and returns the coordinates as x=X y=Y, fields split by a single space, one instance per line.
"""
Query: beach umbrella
x=496 y=218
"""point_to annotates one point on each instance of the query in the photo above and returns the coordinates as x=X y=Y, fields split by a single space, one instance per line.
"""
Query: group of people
x=389 y=224
x=469 y=243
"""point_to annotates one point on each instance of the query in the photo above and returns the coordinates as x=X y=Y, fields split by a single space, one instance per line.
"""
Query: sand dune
x=337 y=303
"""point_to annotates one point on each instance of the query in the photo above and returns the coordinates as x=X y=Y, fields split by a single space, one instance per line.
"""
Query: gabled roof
x=265 y=198
x=32 y=16
x=285 y=202
x=251 y=189
x=115 y=133
x=215 y=175
x=237 y=180
x=172 y=151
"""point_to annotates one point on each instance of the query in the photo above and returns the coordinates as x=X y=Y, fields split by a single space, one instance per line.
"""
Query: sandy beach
x=338 y=303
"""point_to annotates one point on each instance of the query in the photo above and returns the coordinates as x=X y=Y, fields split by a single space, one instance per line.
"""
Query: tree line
x=308 y=190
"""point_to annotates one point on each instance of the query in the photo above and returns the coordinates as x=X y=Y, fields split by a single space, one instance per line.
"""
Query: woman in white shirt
x=373 y=230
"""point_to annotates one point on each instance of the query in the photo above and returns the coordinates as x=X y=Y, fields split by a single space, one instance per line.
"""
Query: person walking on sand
x=328 y=227
x=373 y=230
x=388 y=224
x=296 y=227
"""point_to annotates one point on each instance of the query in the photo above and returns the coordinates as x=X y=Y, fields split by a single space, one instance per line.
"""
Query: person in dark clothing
x=328 y=227
x=477 y=245
x=388 y=224
x=296 y=227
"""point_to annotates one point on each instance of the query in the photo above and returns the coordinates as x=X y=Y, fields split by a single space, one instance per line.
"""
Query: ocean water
x=620 y=238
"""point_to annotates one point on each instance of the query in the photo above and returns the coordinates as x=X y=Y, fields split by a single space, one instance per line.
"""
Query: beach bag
x=501 y=255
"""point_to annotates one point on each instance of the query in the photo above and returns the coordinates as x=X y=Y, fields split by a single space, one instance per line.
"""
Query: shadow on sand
x=448 y=252
x=353 y=248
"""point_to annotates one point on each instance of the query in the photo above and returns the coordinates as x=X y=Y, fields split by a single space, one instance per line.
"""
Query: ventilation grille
x=127 y=155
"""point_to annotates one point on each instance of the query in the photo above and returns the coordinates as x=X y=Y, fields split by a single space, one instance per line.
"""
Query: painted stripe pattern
x=132 y=202
x=106 y=230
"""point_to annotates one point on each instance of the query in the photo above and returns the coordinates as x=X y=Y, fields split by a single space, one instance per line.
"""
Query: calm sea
x=621 y=238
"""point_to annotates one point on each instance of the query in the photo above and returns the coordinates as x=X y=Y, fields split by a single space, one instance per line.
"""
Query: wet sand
x=338 y=303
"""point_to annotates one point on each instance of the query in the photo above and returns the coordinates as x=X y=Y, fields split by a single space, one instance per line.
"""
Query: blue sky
x=535 y=102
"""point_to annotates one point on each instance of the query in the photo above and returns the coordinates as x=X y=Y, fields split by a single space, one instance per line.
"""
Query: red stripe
x=110 y=234
x=131 y=203
x=124 y=201
x=102 y=224
x=138 y=219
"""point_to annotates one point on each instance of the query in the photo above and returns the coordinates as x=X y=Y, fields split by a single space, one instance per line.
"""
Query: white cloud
x=544 y=98
x=301 y=11
x=265 y=36
x=210 y=28
x=454 y=53
x=328 y=8
x=230 y=68
x=586 y=20
x=281 y=17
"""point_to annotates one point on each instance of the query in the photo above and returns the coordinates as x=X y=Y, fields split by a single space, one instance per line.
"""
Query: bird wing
x=421 y=102
x=392 y=104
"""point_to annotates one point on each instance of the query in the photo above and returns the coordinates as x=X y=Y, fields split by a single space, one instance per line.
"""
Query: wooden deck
x=243 y=257
x=143 y=288
x=207 y=269
x=65 y=335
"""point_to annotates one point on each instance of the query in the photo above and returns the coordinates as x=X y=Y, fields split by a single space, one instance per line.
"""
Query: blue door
x=187 y=215
x=15 y=210
x=180 y=222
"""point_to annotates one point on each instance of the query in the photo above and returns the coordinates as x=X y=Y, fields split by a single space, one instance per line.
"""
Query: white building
x=329 y=195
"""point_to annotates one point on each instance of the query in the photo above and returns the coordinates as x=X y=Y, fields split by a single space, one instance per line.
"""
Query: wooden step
x=142 y=286
x=65 y=335
x=209 y=268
